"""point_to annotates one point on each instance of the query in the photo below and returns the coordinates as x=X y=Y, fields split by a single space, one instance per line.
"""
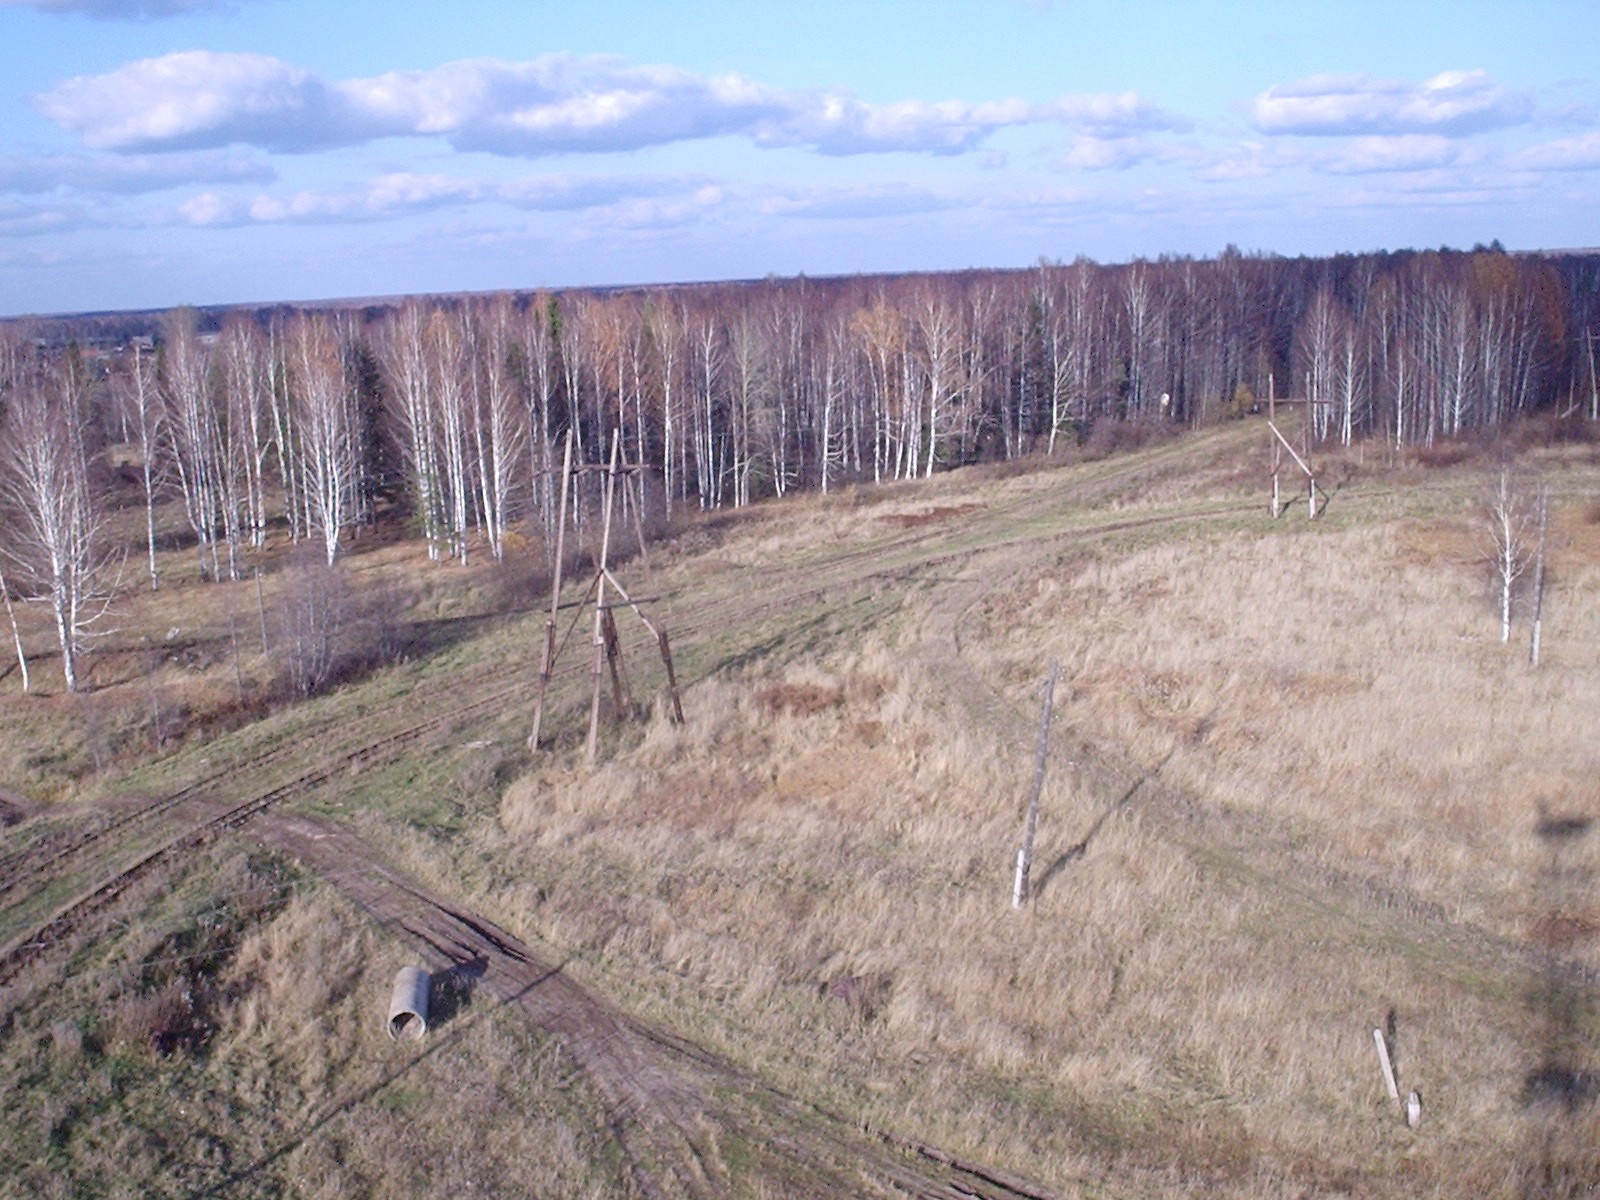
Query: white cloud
x=129 y=173
x=1355 y=156
x=208 y=208
x=23 y=219
x=1248 y=160
x=1453 y=102
x=552 y=104
x=1580 y=153
x=565 y=193
x=1115 y=115
x=403 y=193
x=122 y=10
x=845 y=203
x=1089 y=153
x=194 y=99
x=1411 y=152
x=648 y=214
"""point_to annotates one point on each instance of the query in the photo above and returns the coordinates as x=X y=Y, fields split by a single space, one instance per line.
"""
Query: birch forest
x=450 y=413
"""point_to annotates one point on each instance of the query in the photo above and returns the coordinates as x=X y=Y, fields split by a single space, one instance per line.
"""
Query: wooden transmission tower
x=606 y=642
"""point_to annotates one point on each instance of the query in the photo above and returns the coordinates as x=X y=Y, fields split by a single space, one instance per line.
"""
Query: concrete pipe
x=408 y=1005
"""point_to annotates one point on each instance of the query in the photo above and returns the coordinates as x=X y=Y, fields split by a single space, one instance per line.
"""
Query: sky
x=164 y=152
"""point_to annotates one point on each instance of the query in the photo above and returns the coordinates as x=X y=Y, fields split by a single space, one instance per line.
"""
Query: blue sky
x=158 y=152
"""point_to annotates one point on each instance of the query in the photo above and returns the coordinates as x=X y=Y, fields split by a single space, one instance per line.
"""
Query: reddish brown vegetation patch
x=798 y=699
x=1563 y=930
x=1109 y=436
x=13 y=808
x=864 y=996
x=931 y=516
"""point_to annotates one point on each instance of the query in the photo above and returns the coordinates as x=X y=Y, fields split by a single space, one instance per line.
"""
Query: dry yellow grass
x=288 y=1084
x=1342 y=774
x=1297 y=784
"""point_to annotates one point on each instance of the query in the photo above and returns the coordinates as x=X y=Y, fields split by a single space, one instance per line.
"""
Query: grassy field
x=1298 y=790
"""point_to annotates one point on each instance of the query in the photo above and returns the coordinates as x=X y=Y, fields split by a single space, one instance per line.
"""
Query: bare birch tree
x=403 y=353
x=535 y=347
x=499 y=428
x=139 y=396
x=325 y=405
x=938 y=340
x=193 y=434
x=1508 y=517
x=16 y=630
x=55 y=538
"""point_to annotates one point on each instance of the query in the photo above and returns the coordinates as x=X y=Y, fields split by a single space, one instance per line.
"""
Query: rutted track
x=814 y=578
x=197 y=811
x=204 y=814
x=666 y=1098
x=192 y=814
x=56 y=851
x=675 y=1108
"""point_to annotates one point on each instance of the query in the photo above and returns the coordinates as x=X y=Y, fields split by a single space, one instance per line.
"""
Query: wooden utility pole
x=600 y=602
x=672 y=676
x=1019 y=887
x=1311 y=479
x=547 y=668
x=1538 y=578
x=1279 y=444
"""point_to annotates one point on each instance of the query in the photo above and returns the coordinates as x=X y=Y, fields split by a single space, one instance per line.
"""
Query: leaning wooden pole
x=1019 y=888
x=599 y=605
x=547 y=668
x=621 y=698
x=672 y=676
x=661 y=641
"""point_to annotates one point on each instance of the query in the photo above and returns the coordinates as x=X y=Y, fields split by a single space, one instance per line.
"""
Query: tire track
x=673 y=1107
x=206 y=815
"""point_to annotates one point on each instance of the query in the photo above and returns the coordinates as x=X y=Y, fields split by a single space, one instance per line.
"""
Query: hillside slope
x=1297 y=790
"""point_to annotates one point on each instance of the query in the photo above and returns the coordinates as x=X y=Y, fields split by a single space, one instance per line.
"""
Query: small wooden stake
x=1388 y=1069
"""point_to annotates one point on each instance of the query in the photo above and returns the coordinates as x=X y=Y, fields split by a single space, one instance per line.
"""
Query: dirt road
x=678 y=1111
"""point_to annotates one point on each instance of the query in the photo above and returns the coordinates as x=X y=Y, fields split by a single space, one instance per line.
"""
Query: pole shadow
x=1073 y=853
x=1559 y=1090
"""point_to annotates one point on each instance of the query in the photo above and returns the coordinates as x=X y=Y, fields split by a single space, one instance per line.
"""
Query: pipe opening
x=408 y=1005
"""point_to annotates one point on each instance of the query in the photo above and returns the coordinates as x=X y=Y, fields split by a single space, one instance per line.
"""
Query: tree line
x=453 y=410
